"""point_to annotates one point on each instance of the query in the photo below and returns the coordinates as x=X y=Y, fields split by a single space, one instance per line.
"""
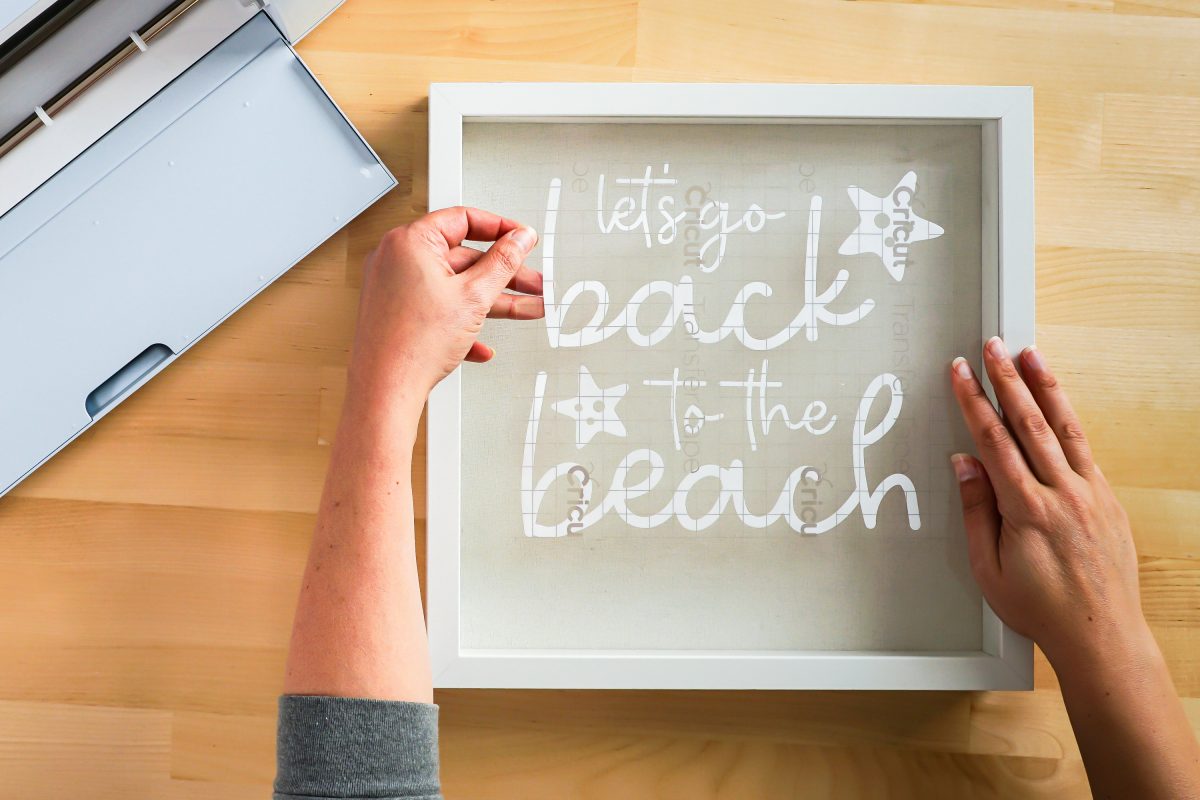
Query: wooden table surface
x=148 y=572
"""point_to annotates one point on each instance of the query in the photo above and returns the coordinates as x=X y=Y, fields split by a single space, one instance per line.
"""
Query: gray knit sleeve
x=338 y=747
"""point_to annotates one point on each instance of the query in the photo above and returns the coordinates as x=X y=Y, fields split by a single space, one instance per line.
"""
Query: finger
x=479 y=353
x=526 y=281
x=460 y=222
x=981 y=517
x=998 y=451
x=517 y=306
x=1059 y=413
x=1025 y=418
x=462 y=257
x=501 y=262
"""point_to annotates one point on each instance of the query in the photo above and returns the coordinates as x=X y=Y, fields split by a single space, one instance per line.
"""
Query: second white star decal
x=594 y=409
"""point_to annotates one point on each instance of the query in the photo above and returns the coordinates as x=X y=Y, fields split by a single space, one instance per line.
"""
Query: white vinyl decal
x=729 y=478
x=752 y=408
x=678 y=300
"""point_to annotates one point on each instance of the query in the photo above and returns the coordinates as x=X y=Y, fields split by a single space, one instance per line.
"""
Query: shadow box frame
x=1005 y=117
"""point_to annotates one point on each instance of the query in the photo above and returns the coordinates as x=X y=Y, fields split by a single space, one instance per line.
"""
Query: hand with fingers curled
x=1053 y=552
x=426 y=294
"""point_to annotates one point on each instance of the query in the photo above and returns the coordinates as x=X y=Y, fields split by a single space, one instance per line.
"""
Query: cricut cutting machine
x=161 y=162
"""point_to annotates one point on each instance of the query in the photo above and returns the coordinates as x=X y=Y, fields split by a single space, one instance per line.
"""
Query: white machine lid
x=164 y=227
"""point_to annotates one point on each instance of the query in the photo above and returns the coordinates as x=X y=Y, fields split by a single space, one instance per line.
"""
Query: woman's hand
x=1052 y=550
x=425 y=297
x=359 y=628
x=1049 y=544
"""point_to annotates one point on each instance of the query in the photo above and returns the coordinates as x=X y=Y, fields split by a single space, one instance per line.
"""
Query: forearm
x=1132 y=731
x=359 y=630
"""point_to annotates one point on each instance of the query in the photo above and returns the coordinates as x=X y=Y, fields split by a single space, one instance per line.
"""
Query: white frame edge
x=1005 y=113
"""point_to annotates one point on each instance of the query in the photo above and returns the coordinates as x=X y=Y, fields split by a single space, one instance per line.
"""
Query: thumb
x=492 y=272
x=980 y=516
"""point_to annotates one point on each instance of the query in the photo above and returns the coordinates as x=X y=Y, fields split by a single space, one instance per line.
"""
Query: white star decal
x=594 y=410
x=887 y=225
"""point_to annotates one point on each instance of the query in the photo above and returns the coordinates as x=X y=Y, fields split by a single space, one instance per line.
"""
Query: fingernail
x=525 y=238
x=962 y=368
x=964 y=467
x=1033 y=357
x=997 y=348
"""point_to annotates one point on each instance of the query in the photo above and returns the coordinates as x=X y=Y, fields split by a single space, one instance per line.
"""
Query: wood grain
x=148 y=573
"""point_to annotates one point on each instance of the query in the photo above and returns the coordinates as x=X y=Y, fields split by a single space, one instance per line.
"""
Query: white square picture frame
x=1004 y=660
